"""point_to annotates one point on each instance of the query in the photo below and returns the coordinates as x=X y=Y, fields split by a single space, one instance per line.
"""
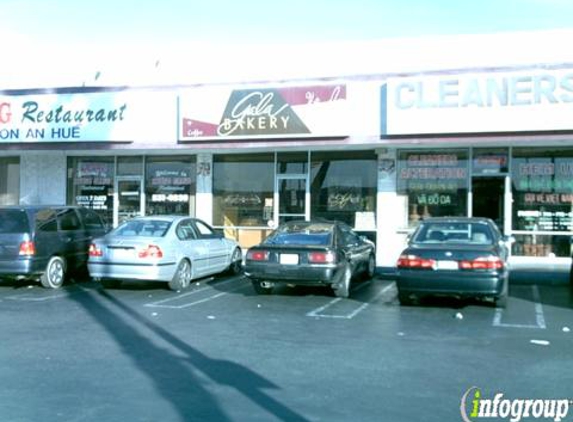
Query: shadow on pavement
x=170 y=373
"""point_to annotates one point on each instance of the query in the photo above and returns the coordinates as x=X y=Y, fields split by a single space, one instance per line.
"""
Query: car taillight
x=152 y=251
x=258 y=255
x=482 y=263
x=27 y=248
x=95 y=251
x=321 y=257
x=413 y=261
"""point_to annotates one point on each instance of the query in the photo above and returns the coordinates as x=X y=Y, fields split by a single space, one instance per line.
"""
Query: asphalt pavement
x=218 y=352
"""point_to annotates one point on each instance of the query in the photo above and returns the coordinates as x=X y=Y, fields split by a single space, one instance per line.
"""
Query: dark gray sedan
x=463 y=257
x=310 y=253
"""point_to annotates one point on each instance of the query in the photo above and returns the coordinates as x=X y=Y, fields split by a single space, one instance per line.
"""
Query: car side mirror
x=510 y=240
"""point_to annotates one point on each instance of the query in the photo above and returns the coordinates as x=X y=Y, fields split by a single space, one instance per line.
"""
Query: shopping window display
x=343 y=187
x=243 y=189
x=433 y=183
x=170 y=185
x=9 y=180
x=90 y=184
x=542 y=201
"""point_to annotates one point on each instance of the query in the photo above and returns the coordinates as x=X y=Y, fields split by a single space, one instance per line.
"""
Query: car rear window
x=474 y=233
x=147 y=228
x=301 y=235
x=13 y=221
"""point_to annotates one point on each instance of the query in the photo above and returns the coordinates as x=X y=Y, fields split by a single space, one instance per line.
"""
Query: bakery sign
x=212 y=113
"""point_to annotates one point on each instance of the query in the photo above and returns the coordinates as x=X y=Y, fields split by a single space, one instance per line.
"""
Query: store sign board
x=74 y=117
x=540 y=100
x=284 y=112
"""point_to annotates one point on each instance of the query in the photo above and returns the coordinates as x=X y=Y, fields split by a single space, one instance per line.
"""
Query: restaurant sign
x=535 y=100
x=67 y=118
x=284 y=112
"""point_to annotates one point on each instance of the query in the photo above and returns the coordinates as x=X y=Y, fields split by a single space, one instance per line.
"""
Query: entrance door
x=488 y=199
x=293 y=198
x=129 y=194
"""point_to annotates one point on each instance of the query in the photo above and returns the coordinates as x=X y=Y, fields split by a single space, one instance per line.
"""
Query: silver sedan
x=173 y=249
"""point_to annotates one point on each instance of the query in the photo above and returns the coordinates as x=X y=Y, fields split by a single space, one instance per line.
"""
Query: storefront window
x=343 y=187
x=243 y=189
x=433 y=183
x=542 y=200
x=292 y=162
x=90 y=184
x=170 y=185
x=9 y=181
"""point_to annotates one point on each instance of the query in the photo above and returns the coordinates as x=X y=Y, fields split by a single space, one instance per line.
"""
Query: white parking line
x=539 y=316
x=165 y=302
x=318 y=311
x=30 y=298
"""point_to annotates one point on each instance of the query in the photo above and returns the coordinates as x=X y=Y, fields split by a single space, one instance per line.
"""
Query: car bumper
x=115 y=271
x=295 y=274
x=455 y=284
x=22 y=268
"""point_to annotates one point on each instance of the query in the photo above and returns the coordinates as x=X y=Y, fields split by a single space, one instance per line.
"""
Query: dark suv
x=46 y=242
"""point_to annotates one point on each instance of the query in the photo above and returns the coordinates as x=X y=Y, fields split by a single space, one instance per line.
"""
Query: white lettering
x=253 y=110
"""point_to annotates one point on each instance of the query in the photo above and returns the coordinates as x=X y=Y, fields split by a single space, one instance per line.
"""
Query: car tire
x=262 y=287
x=405 y=299
x=182 y=277
x=236 y=263
x=370 y=267
x=55 y=274
x=342 y=289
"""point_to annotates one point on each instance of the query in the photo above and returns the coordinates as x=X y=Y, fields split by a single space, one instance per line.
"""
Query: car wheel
x=182 y=277
x=236 y=262
x=370 y=268
x=405 y=299
x=263 y=287
x=53 y=277
x=342 y=289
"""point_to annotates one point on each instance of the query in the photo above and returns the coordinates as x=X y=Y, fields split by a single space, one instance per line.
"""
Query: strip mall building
x=379 y=151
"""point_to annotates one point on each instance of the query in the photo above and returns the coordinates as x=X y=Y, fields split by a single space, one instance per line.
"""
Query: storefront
x=380 y=153
x=487 y=144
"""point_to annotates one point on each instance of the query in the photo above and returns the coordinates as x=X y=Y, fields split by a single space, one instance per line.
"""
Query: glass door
x=129 y=199
x=488 y=199
x=293 y=198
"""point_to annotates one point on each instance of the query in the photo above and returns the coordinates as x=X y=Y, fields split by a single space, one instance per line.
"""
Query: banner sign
x=75 y=117
x=285 y=112
x=536 y=100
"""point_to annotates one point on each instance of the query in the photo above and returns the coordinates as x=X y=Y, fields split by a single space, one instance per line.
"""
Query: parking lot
x=218 y=352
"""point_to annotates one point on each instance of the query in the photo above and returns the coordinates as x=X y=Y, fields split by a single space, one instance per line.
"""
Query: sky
x=62 y=23
x=65 y=35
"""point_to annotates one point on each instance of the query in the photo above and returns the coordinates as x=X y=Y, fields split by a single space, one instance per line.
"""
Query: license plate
x=447 y=265
x=288 y=259
x=123 y=253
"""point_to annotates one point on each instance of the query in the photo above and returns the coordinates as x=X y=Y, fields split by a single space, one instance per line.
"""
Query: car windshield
x=454 y=232
x=147 y=228
x=301 y=234
x=13 y=221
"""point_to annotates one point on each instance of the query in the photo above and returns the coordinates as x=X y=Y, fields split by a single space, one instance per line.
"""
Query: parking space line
x=164 y=303
x=31 y=298
x=318 y=311
x=539 y=315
